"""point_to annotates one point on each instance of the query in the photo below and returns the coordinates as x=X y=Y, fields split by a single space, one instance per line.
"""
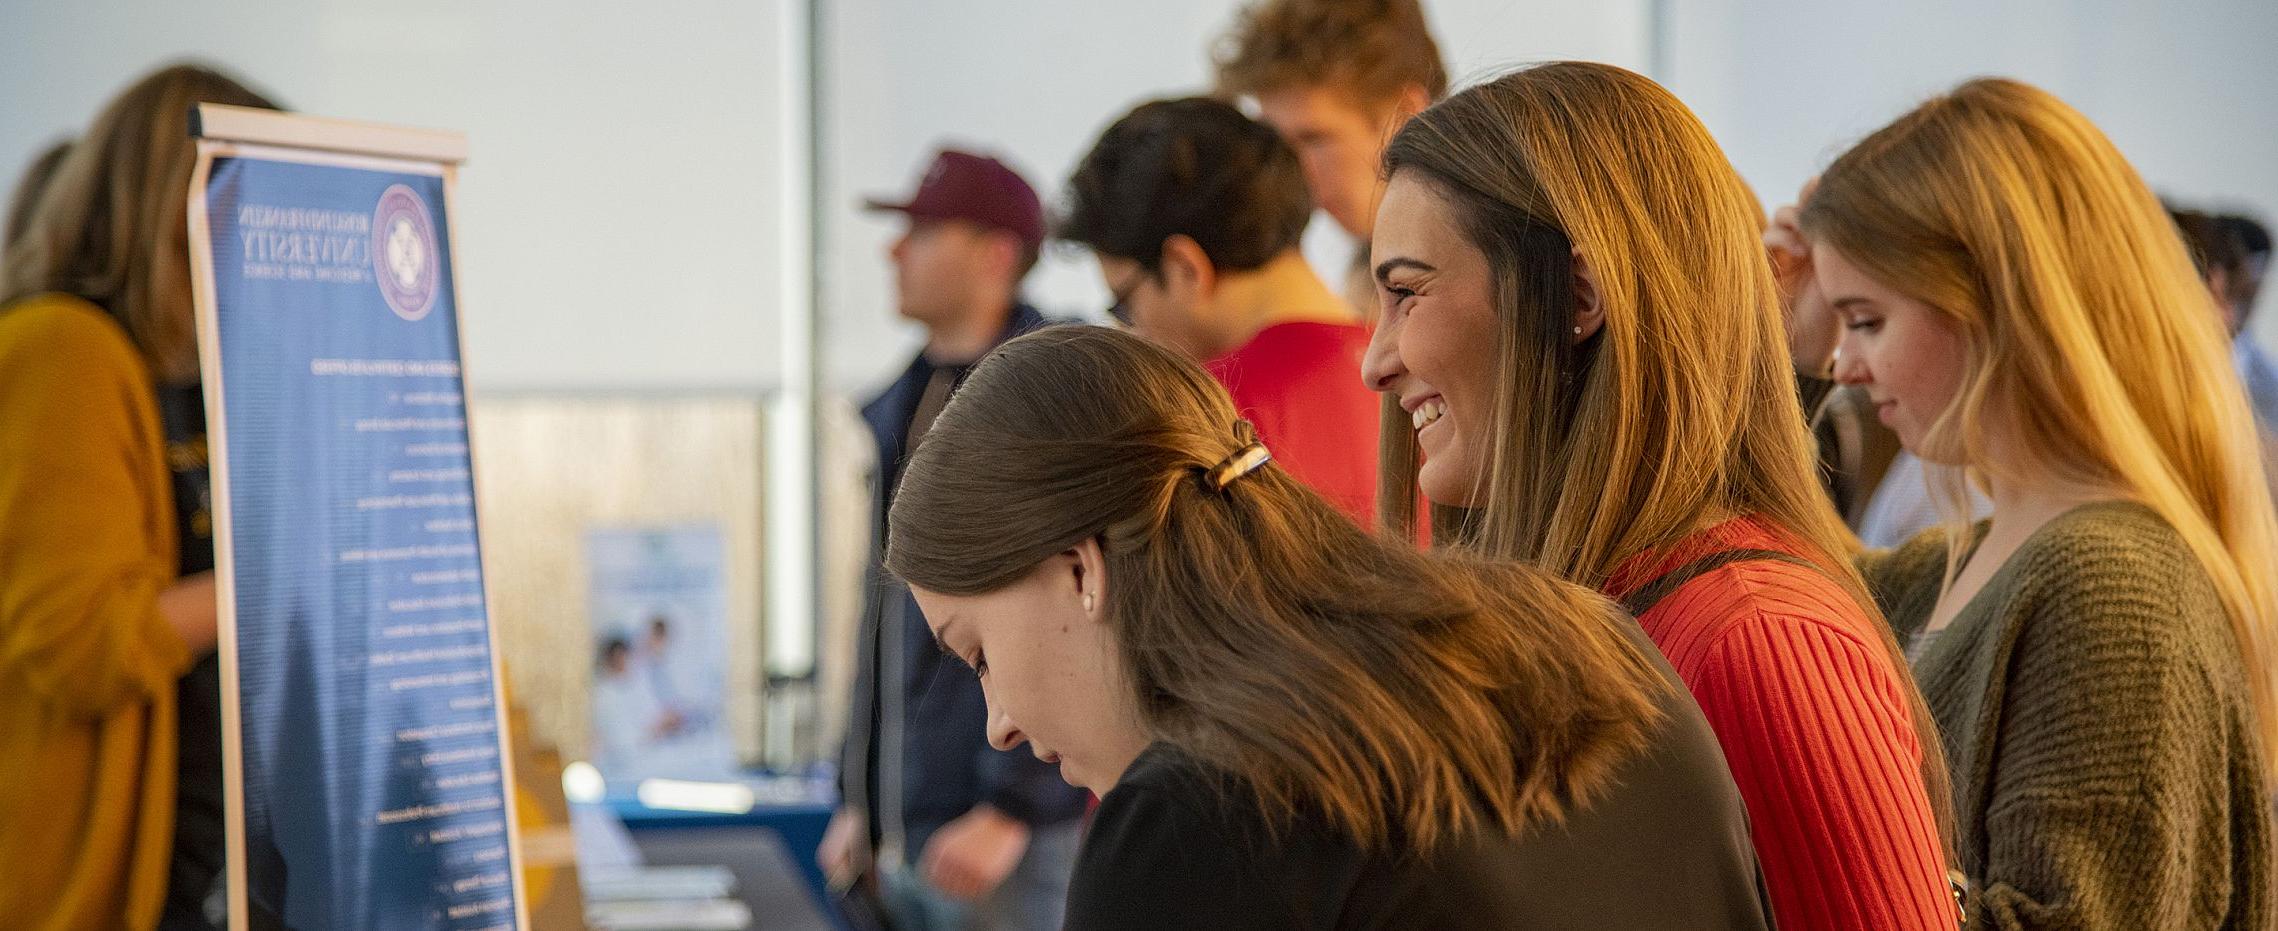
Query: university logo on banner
x=403 y=252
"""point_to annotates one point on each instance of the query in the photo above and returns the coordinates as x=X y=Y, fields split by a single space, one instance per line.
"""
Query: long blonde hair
x=1394 y=693
x=111 y=226
x=2089 y=332
x=1684 y=403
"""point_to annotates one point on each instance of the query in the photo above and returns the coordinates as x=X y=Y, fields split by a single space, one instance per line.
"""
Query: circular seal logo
x=404 y=255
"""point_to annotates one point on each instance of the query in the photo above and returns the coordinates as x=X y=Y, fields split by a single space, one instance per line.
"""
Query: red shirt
x=1812 y=713
x=1300 y=385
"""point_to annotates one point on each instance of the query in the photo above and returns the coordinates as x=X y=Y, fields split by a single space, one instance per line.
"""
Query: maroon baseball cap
x=977 y=188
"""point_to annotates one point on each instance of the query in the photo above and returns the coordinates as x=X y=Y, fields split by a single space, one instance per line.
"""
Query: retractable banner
x=365 y=746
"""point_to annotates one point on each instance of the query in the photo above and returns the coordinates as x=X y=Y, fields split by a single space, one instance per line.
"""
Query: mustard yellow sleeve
x=82 y=559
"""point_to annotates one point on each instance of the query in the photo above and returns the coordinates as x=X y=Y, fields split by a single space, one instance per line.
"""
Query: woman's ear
x=1088 y=563
x=1589 y=308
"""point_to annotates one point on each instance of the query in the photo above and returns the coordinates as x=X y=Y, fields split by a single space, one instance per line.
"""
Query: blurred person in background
x=938 y=829
x=2240 y=292
x=1194 y=212
x=110 y=705
x=26 y=196
x=2219 y=250
x=1335 y=78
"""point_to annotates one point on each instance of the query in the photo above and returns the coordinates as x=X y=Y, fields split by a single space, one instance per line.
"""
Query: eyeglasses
x=1120 y=311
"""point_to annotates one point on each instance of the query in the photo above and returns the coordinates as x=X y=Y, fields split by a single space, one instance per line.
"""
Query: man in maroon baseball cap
x=974 y=230
x=940 y=829
x=977 y=189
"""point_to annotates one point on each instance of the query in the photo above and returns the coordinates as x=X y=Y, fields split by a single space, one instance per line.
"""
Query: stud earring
x=1577 y=331
x=1088 y=602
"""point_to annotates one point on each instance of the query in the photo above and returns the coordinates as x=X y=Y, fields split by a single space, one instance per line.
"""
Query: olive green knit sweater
x=2097 y=719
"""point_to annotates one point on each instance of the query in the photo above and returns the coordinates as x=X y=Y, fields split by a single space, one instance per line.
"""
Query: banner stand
x=368 y=774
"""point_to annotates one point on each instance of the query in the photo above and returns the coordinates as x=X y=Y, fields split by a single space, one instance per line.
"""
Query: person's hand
x=1813 y=329
x=836 y=853
x=192 y=607
x=969 y=857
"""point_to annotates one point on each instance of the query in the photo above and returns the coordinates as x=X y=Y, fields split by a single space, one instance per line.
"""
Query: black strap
x=1651 y=593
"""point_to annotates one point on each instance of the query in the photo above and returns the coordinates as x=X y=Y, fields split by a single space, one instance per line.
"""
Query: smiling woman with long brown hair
x=1290 y=722
x=1585 y=340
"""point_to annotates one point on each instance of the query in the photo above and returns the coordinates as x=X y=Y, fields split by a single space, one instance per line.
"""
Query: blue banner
x=373 y=792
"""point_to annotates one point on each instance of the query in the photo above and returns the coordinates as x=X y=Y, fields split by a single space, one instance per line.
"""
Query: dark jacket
x=945 y=766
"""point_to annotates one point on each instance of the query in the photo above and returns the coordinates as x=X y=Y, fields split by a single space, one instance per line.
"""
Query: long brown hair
x=2088 y=331
x=1393 y=692
x=112 y=226
x=1683 y=405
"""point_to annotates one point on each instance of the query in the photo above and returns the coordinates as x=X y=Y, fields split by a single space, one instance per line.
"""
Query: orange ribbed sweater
x=1812 y=714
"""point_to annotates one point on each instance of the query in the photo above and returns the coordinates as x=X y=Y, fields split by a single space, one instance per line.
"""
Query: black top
x=196 y=864
x=1173 y=845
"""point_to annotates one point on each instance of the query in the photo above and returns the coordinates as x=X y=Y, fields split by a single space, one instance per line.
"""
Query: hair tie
x=1243 y=462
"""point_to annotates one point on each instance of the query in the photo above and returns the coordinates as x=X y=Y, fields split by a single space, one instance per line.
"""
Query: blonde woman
x=2097 y=653
x=1584 y=339
x=1291 y=723
x=110 y=720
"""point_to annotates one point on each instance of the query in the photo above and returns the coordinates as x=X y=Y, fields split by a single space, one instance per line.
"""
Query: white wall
x=2189 y=91
x=618 y=214
x=1036 y=81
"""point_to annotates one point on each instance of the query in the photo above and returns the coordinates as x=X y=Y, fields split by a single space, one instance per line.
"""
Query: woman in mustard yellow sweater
x=109 y=697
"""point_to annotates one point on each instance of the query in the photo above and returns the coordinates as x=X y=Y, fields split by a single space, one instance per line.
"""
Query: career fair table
x=765 y=839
